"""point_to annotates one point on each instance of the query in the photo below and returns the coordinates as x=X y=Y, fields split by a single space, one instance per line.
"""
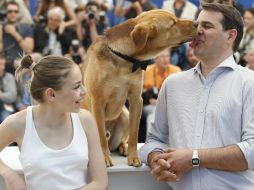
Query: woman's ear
x=50 y=94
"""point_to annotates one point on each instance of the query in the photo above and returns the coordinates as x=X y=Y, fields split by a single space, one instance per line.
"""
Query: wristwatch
x=195 y=159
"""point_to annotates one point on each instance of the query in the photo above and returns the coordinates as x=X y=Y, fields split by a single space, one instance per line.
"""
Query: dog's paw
x=108 y=160
x=123 y=149
x=134 y=161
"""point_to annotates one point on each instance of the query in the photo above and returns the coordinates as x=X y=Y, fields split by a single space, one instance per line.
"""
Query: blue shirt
x=194 y=112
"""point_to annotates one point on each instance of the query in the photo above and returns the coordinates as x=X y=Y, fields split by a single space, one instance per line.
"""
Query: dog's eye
x=76 y=87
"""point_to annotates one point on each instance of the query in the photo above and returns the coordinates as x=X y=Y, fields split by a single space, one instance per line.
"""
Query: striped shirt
x=194 y=112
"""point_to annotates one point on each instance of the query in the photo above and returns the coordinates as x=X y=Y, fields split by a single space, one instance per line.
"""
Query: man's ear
x=141 y=33
x=232 y=34
x=50 y=94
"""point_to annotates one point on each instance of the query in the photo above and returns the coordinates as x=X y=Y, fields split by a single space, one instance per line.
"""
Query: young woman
x=58 y=142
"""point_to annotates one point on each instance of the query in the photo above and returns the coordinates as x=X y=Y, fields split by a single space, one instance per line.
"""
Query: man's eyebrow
x=205 y=22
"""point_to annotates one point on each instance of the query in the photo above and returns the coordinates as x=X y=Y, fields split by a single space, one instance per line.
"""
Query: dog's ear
x=141 y=33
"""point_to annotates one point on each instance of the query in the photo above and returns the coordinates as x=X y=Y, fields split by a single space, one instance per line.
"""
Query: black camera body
x=2 y=15
x=75 y=56
x=90 y=14
x=42 y=20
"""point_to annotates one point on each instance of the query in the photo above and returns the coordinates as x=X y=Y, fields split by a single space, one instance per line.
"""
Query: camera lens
x=90 y=15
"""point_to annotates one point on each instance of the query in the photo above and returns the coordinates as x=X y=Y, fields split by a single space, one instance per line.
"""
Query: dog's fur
x=110 y=81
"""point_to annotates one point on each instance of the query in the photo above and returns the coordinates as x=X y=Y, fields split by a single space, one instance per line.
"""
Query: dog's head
x=149 y=33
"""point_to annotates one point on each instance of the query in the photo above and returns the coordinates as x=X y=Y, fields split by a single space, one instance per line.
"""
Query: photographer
x=132 y=8
x=77 y=52
x=16 y=38
x=51 y=37
x=24 y=16
x=93 y=21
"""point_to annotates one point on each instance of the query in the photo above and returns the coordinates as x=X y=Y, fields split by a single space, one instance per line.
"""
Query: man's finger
x=166 y=176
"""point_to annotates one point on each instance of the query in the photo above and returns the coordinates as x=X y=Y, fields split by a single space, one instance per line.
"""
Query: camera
x=76 y=57
x=90 y=14
x=102 y=16
x=42 y=20
x=2 y=15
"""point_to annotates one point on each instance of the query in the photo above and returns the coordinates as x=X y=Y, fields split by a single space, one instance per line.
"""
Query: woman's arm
x=70 y=13
x=38 y=11
x=96 y=167
x=11 y=132
x=120 y=10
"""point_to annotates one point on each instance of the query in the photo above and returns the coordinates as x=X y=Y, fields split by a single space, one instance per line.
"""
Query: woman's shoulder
x=87 y=119
x=85 y=114
x=16 y=119
x=14 y=125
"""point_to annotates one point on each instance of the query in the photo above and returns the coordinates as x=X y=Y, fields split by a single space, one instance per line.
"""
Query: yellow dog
x=113 y=74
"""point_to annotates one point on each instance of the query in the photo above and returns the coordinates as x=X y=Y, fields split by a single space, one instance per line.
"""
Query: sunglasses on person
x=12 y=11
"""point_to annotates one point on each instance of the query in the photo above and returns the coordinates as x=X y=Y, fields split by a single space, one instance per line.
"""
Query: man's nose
x=199 y=29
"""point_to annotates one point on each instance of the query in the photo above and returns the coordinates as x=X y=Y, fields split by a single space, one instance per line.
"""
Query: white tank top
x=48 y=169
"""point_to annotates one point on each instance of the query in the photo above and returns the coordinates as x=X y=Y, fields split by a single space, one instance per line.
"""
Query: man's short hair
x=57 y=10
x=93 y=3
x=12 y=3
x=232 y=19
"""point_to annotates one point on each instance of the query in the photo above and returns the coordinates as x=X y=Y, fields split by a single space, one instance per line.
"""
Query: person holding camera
x=16 y=38
x=132 y=8
x=51 y=37
x=24 y=16
x=76 y=52
x=93 y=21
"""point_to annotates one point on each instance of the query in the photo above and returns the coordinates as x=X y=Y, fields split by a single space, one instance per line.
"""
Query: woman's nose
x=199 y=30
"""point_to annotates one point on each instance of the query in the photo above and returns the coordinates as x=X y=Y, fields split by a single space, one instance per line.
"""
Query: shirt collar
x=227 y=63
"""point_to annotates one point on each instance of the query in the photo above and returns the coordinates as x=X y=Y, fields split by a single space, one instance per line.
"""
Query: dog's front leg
x=98 y=112
x=136 y=103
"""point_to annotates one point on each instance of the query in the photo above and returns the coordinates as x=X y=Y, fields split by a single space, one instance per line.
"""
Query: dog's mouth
x=78 y=101
x=190 y=39
x=194 y=42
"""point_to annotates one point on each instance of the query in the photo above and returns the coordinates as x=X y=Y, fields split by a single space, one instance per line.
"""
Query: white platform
x=121 y=176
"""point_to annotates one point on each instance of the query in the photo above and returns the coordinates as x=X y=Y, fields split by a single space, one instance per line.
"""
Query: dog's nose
x=195 y=23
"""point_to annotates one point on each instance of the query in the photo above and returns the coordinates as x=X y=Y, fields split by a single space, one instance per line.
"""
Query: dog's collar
x=136 y=63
